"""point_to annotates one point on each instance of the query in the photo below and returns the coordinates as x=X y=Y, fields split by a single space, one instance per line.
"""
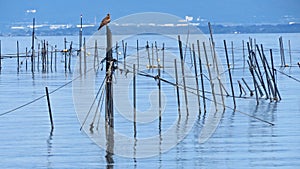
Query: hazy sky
x=216 y=11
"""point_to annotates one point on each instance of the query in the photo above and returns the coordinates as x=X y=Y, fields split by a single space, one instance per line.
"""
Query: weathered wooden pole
x=84 y=55
x=38 y=58
x=124 y=45
x=55 y=57
x=96 y=55
x=251 y=92
x=163 y=57
x=80 y=36
x=243 y=54
x=137 y=54
x=134 y=92
x=18 y=57
x=210 y=77
x=32 y=45
x=290 y=53
x=273 y=78
x=229 y=73
x=65 y=53
x=196 y=77
x=281 y=51
x=51 y=58
x=177 y=87
x=148 y=52
x=70 y=55
x=26 y=54
x=232 y=54
x=109 y=108
x=183 y=76
x=49 y=108
x=201 y=76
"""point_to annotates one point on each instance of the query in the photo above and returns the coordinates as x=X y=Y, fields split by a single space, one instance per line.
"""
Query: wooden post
x=134 y=100
x=251 y=92
x=55 y=57
x=152 y=54
x=290 y=53
x=196 y=76
x=38 y=57
x=281 y=51
x=254 y=81
x=210 y=76
x=201 y=76
x=229 y=72
x=243 y=54
x=273 y=78
x=137 y=54
x=32 y=45
x=159 y=88
x=80 y=36
x=183 y=76
x=84 y=56
x=51 y=58
x=49 y=108
x=96 y=55
x=70 y=55
x=47 y=56
x=148 y=52
x=232 y=54
x=18 y=57
x=109 y=108
x=124 y=45
x=26 y=54
x=65 y=53
x=177 y=87
x=134 y=92
x=163 y=57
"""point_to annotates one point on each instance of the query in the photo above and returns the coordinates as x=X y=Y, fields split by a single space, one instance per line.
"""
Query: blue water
x=240 y=141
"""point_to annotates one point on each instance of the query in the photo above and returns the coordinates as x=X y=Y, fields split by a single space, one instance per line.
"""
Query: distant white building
x=189 y=18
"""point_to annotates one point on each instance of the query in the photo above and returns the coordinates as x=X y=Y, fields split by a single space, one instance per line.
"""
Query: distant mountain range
x=69 y=29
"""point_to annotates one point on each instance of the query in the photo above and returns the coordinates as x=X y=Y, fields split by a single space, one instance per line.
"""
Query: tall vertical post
x=196 y=76
x=109 y=111
x=65 y=52
x=80 y=34
x=201 y=76
x=229 y=72
x=32 y=45
x=183 y=76
x=18 y=57
x=177 y=87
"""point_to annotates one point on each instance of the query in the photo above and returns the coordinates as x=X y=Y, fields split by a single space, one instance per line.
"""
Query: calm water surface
x=240 y=141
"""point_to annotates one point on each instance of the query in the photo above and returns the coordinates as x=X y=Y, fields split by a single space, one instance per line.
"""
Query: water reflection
x=109 y=132
x=49 y=149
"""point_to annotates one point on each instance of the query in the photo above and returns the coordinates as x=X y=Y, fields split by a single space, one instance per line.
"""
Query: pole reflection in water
x=109 y=132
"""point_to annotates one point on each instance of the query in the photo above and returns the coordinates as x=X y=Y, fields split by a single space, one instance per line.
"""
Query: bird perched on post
x=104 y=21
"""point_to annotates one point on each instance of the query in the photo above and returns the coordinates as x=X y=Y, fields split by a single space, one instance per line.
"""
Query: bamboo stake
x=32 y=45
x=65 y=53
x=183 y=76
x=26 y=53
x=177 y=87
x=229 y=73
x=210 y=77
x=134 y=92
x=196 y=77
x=49 y=108
x=201 y=76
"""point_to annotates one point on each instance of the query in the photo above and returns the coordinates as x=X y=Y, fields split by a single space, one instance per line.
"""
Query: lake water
x=239 y=141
